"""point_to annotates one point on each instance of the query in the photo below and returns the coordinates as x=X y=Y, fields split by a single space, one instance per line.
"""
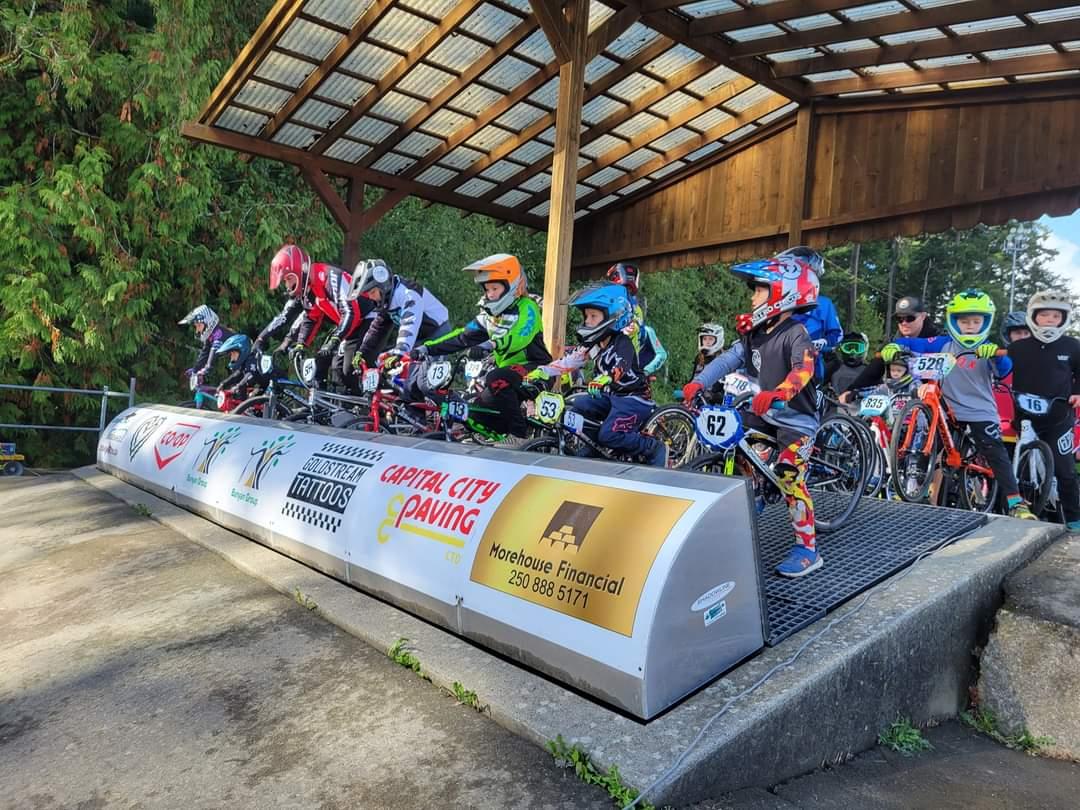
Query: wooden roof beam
x=326 y=192
x=549 y=14
x=688 y=113
x=609 y=30
x=605 y=82
x=894 y=24
x=330 y=62
x=386 y=83
x=694 y=70
x=258 y=147
x=684 y=149
x=443 y=97
x=929 y=49
x=1047 y=63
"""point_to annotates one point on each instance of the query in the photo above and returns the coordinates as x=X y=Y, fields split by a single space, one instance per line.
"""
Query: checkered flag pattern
x=313 y=517
x=352 y=451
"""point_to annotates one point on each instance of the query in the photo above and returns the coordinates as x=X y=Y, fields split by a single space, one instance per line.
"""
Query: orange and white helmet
x=291 y=265
x=504 y=269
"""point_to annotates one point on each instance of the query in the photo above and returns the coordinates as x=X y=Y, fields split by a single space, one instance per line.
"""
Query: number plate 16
x=1033 y=404
x=719 y=428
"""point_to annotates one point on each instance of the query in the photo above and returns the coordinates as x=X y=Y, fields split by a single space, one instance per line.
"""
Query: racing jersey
x=329 y=287
x=516 y=336
x=968 y=387
x=616 y=359
x=209 y=349
x=415 y=311
x=1047 y=370
x=823 y=325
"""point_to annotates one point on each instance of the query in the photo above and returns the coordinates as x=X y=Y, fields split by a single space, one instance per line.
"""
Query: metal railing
x=104 y=394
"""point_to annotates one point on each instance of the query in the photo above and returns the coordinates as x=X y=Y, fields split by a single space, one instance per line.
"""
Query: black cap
x=909 y=305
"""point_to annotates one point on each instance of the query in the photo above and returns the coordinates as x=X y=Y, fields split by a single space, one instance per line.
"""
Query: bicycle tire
x=850 y=485
x=970 y=479
x=300 y=415
x=914 y=410
x=253 y=402
x=358 y=423
x=1035 y=482
x=705 y=462
x=875 y=482
x=544 y=444
x=682 y=440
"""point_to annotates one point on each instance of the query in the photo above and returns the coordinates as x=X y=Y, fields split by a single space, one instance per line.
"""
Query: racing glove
x=597 y=384
x=420 y=353
x=986 y=351
x=890 y=351
x=691 y=390
x=537 y=375
x=390 y=357
x=329 y=347
x=763 y=400
x=477 y=353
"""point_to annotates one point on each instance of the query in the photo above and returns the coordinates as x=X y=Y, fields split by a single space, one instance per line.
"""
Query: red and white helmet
x=290 y=265
x=793 y=285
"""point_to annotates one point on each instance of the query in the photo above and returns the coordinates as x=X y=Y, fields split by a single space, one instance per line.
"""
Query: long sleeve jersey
x=1047 y=370
x=330 y=288
x=823 y=325
x=616 y=359
x=969 y=387
x=516 y=336
x=249 y=374
x=415 y=311
x=209 y=350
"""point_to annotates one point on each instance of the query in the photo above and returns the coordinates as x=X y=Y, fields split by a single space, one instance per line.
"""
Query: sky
x=1065 y=239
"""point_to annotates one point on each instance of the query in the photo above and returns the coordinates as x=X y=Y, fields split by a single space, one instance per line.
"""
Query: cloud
x=1067 y=262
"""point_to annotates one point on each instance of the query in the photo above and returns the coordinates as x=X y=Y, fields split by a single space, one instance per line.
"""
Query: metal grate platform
x=881 y=538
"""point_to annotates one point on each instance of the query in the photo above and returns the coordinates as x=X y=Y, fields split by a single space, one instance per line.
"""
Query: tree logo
x=214 y=447
x=264 y=457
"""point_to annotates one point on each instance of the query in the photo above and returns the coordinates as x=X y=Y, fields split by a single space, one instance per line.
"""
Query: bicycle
x=1033 y=459
x=835 y=468
x=268 y=403
x=878 y=411
x=927 y=439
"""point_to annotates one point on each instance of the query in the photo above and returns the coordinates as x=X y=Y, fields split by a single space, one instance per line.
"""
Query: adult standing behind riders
x=317 y=292
x=211 y=334
x=416 y=312
x=821 y=322
x=651 y=352
x=510 y=321
x=911 y=322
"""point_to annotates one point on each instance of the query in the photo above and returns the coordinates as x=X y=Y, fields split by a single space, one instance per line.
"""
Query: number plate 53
x=549 y=407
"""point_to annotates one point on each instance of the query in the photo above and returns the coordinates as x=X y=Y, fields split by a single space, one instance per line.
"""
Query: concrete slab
x=137 y=669
x=905 y=647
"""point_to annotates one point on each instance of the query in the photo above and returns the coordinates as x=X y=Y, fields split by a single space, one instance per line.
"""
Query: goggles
x=852 y=347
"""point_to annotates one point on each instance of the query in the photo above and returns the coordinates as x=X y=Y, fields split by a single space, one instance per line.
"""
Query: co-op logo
x=172 y=443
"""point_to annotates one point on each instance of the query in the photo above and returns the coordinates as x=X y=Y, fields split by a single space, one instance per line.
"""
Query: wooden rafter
x=1048 y=63
x=688 y=113
x=765 y=14
x=610 y=30
x=604 y=83
x=414 y=55
x=550 y=16
x=930 y=49
x=368 y=20
x=279 y=18
x=677 y=81
x=478 y=68
x=894 y=24
x=327 y=193
x=300 y=158
x=684 y=149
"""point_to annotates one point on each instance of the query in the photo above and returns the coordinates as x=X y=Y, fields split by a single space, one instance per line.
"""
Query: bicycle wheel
x=364 y=424
x=913 y=462
x=1034 y=474
x=875 y=481
x=301 y=415
x=840 y=463
x=710 y=463
x=258 y=408
x=674 y=426
x=544 y=444
x=978 y=490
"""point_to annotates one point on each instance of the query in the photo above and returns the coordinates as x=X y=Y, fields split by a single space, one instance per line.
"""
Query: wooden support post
x=560 y=240
x=800 y=172
x=350 y=252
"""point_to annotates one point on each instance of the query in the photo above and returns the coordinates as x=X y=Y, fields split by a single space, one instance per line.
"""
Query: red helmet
x=290 y=263
x=793 y=285
x=625 y=274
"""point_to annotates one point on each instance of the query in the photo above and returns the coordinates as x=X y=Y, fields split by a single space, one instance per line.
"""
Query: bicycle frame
x=942 y=422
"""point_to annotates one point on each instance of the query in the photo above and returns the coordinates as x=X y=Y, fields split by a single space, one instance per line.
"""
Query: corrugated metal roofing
x=852 y=45
x=392 y=163
x=347 y=150
x=547 y=136
x=599 y=67
x=664 y=171
x=604 y=176
x=277 y=67
x=921 y=35
x=417 y=144
x=635 y=159
x=1015 y=53
x=639 y=123
x=891 y=67
x=295 y=135
x=542 y=209
x=919 y=88
x=531 y=152
x=538 y=182
x=856 y=94
x=632 y=40
x=1051 y=75
x=945 y=61
x=370 y=60
x=667 y=142
x=445 y=122
x=399 y=29
x=474 y=99
x=341 y=12
x=791 y=56
x=309 y=38
x=601 y=146
x=741 y=132
x=705 y=84
x=512 y=198
x=814 y=21
x=708 y=120
x=490 y=23
x=598 y=12
x=600 y=108
x=425 y=80
x=343 y=88
x=436 y=175
x=433 y=8
x=633 y=86
x=476 y=187
x=488 y=138
x=241 y=120
x=601 y=203
x=630 y=189
x=256 y=94
x=582 y=161
x=461 y=158
x=581 y=190
x=787 y=109
x=829 y=75
x=672 y=61
x=396 y=106
x=548 y=94
x=755 y=32
x=874 y=10
x=536 y=47
x=318 y=114
x=1056 y=15
x=509 y=72
x=981 y=26
x=749 y=98
x=709 y=8
x=520 y=116
x=704 y=151
x=500 y=170
x=371 y=130
x=669 y=105
x=457 y=52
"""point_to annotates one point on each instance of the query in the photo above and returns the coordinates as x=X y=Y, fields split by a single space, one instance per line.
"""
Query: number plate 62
x=719 y=428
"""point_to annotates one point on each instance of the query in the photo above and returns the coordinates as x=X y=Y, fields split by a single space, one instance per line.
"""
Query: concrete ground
x=138 y=669
x=965 y=771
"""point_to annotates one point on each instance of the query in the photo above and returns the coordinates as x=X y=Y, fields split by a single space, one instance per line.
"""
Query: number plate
x=718 y=427
x=457 y=410
x=371 y=380
x=932 y=366
x=1033 y=404
x=874 y=405
x=193 y=382
x=549 y=407
x=439 y=374
x=307 y=370
x=736 y=384
x=221 y=400
x=574 y=421
x=899 y=403
x=473 y=368
x=266 y=364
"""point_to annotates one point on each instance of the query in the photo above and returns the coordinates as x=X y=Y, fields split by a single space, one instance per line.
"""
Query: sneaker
x=1073 y=525
x=1021 y=512
x=659 y=455
x=799 y=562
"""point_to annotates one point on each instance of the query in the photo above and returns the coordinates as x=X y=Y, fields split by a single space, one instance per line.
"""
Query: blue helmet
x=1014 y=320
x=237 y=343
x=611 y=299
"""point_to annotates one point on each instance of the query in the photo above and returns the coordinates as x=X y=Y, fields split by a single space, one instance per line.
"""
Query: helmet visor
x=852 y=347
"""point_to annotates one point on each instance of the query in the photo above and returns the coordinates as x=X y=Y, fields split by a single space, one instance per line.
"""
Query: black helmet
x=852 y=348
x=1014 y=320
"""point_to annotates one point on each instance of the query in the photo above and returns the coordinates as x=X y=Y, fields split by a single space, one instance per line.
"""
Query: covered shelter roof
x=454 y=100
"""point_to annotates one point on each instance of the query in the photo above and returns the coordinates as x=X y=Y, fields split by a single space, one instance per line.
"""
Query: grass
x=467 y=697
x=901 y=736
x=572 y=756
x=985 y=722
x=304 y=600
x=400 y=653
x=142 y=509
